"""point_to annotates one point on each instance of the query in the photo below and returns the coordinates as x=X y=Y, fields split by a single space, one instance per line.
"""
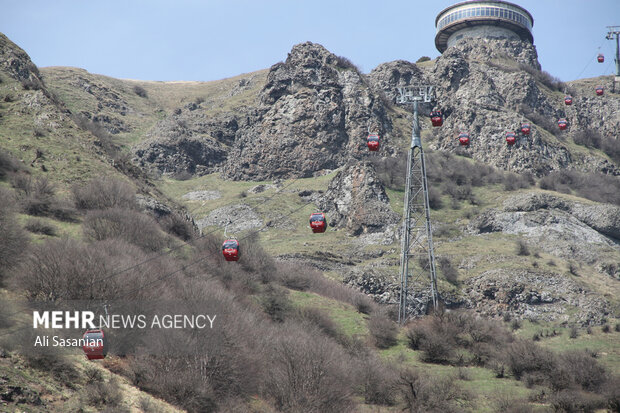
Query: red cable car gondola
x=525 y=128
x=464 y=139
x=230 y=250
x=373 y=142
x=562 y=124
x=95 y=346
x=318 y=222
x=568 y=100
x=600 y=91
x=600 y=58
x=436 y=118
x=511 y=138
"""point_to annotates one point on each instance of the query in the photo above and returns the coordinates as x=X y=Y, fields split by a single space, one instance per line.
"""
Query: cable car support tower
x=614 y=31
x=417 y=255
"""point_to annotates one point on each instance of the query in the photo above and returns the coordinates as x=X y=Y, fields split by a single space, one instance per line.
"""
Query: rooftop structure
x=482 y=19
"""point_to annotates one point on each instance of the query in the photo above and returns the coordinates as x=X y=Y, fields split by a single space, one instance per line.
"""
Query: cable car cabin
x=436 y=118
x=600 y=91
x=600 y=58
x=568 y=100
x=230 y=250
x=511 y=138
x=525 y=128
x=318 y=222
x=562 y=124
x=464 y=139
x=373 y=142
x=95 y=346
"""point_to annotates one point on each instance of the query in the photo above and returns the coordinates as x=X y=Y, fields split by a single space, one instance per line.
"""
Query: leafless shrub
x=434 y=198
x=526 y=357
x=140 y=91
x=126 y=224
x=321 y=320
x=593 y=186
x=9 y=165
x=308 y=372
x=522 y=248
x=102 y=394
x=450 y=273
x=423 y=59
x=67 y=269
x=363 y=304
x=105 y=140
x=383 y=330
x=580 y=368
x=102 y=193
x=38 y=226
x=344 y=63
x=55 y=363
x=605 y=328
x=178 y=226
x=576 y=401
x=39 y=132
x=378 y=381
x=13 y=240
x=276 y=304
x=545 y=78
x=391 y=171
x=430 y=394
x=31 y=83
x=9 y=98
x=515 y=325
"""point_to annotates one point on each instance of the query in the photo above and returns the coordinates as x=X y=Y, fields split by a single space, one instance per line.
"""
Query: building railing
x=488 y=12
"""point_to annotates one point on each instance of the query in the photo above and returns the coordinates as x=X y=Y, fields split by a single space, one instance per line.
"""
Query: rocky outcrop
x=534 y=295
x=188 y=141
x=488 y=87
x=313 y=115
x=356 y=200
x=567 y=229
x=387 y=77
x=16 y=63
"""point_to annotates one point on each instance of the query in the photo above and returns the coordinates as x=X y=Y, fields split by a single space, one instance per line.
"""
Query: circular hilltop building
x=482 y=19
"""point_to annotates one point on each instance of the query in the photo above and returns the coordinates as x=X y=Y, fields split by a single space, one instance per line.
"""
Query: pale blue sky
x=208 y=39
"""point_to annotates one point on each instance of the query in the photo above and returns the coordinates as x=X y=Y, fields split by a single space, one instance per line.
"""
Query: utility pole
x=615 y=31
x=417 y=255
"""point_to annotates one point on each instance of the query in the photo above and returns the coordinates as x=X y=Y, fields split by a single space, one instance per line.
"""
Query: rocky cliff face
x=313 y=115
x=356 y=200
x=487 y=88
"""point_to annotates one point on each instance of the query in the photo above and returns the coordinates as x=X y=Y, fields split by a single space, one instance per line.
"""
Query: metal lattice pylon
x=417 y=255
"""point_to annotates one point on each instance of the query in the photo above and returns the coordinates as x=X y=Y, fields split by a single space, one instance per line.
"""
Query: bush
x=593 y=186
x=363 y=304
x=522 y=248
x=526 y=357
x=65 y=269
x=103 y=394
x=9 y=165
x=378 y=381
x=383 y=330
x=319 y=319
x=102 y=193
x=423 y=59
x=139 y=90
x=574 y=333
x=178 y=226
x=128 y=225
x=308 y=373
x=430 y=394
x=276 y=304
x=450 y=273
x=13 y=240
x=38 y=226
x=575 y=401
